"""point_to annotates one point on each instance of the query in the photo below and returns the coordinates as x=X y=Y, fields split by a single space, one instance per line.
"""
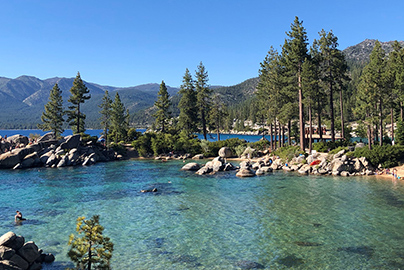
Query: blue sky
x=127 y=43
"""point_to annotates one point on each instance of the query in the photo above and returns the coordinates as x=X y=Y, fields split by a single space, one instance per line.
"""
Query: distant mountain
x=22 y=99
x=360 y=52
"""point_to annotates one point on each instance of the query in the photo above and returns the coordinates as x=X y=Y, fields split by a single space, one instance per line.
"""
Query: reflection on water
x=278 y=221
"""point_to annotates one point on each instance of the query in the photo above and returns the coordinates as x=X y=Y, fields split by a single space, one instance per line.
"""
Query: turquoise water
x=280 y=221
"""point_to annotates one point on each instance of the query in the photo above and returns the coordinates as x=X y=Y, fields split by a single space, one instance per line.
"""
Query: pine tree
x=218 y=115
x=372 y=91
x=187 y=104
x=106 y=110
x=270 y=96
x=203 y=93
x=310 y=89
x=294 y=53
x=92 y=248
x=52 y=117
x=333 y=70
x=78 y=96
x=163 y=104
x=119 y=120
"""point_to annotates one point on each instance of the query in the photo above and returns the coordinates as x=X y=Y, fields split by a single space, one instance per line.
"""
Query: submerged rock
x=249 y=265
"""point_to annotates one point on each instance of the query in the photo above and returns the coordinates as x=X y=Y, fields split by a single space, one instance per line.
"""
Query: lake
x=97 y=132
x=279 y=221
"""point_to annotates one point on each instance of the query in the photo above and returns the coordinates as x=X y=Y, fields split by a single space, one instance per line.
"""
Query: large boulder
x=243 y=172
x=199 y=156
x=46 y=137
x=18 y=139
x=6 y=253
x=225 y=152
x=12 y=158
x=18 y=261
x=29 y=252
x=7 y=238
x=30 y=160
x=305 y=169
x=192 y=166
x=217 y=164
x=71 y=142
x=204 y=170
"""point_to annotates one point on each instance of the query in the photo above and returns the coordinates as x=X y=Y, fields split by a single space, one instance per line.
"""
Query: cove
x=277 y=221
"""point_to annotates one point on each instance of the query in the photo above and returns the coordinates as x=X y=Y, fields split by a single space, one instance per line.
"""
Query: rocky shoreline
x=339 y=164
x=18 y=152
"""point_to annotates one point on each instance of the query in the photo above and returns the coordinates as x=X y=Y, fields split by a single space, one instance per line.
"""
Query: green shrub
x=119 y=148
x=387 y=155
x=85 y=138
x=336 y=150
x=260 y=145
x=328 y=146
x=288 y=152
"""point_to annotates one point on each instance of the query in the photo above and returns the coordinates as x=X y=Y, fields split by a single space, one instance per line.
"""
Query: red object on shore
x=315 y=162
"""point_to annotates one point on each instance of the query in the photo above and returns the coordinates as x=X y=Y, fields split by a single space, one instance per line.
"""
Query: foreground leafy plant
x=91 y=248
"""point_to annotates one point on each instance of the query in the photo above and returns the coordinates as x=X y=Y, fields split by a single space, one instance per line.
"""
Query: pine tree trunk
x=204 y=125
x=78 y=118
x=342 y=115
x=301 y=113
x=275 y=135
x=320 y=131
x=272 y=137
x=401 y=111
x=392 y=124
x=282 y=135
x=311 y=128
x=332 y=113
x=381 y=123
x=289 y=132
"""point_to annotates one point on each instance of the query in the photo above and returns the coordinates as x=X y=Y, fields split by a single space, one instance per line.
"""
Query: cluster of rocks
x=338 y=164
x=48 y=152
x=246 y=168
x=16 y=254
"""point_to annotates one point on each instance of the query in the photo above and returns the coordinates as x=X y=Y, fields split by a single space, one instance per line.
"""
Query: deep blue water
x=281 y=220
x=97 y=132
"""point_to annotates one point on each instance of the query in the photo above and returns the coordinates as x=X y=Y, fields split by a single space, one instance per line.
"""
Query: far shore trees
x=52 y=117
x=78 y=96
x=163 y=104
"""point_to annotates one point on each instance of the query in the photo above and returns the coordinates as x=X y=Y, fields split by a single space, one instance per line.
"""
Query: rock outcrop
x=16 y=254
x=48 y=152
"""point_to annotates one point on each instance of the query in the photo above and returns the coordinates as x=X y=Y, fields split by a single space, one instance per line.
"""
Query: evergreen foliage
x=52 y=117
x=90 y=248
x=203 y=97
x=106 y=107
x=78 y=96
x=294 y=53
x=187 y=105
x=163 y=104
x=119 y=120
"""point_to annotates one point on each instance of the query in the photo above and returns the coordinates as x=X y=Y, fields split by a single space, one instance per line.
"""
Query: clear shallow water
x=281 y=220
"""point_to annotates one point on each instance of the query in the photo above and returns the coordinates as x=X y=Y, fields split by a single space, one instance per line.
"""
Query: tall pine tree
x=78 y=96
x=163 y=104
x=203 y=94
x=52 y=117
x=119 y=120
x=294 y=53
x=105 y=112
x=187 y=105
